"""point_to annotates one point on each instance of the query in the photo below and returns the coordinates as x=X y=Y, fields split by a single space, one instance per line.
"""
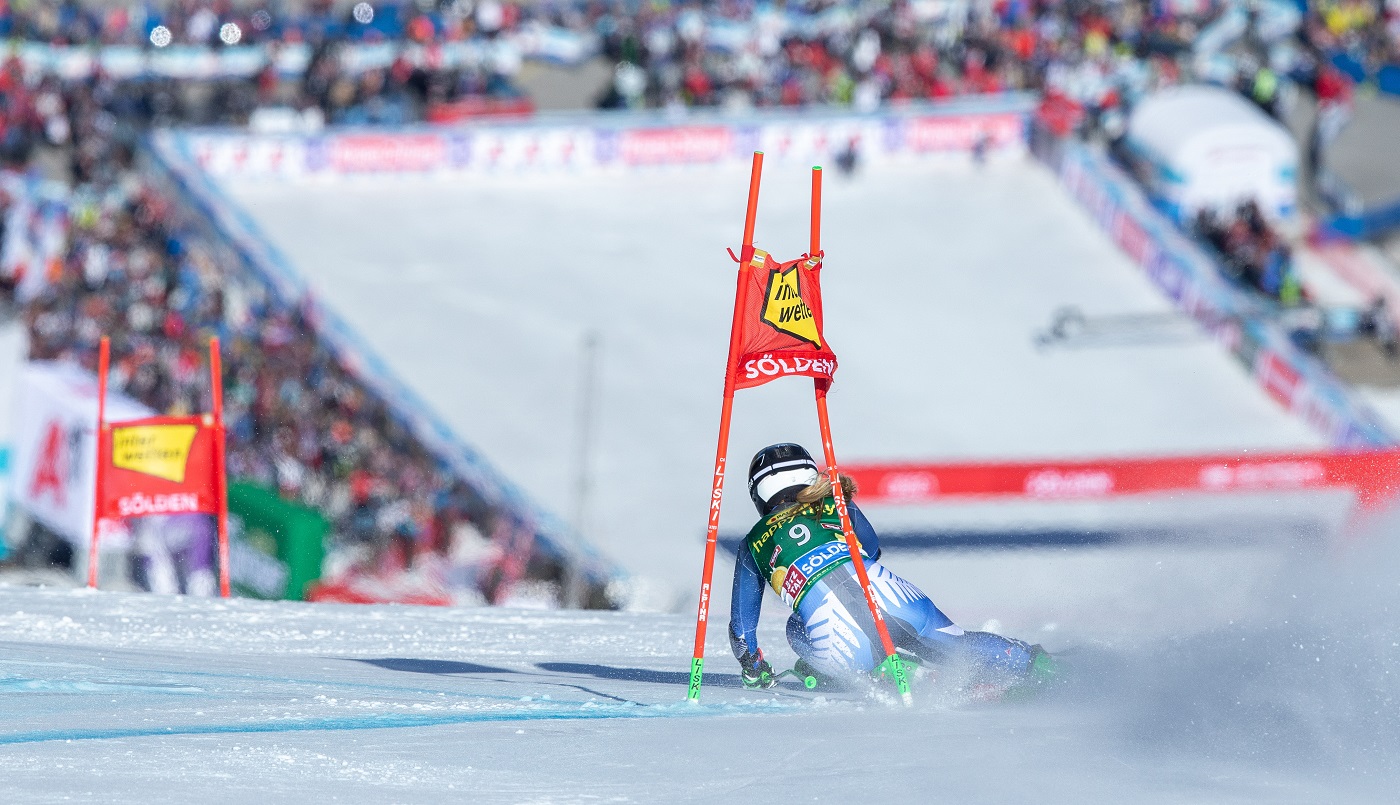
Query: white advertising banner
x=54 y=467
x=14 y=343
x=994 y=125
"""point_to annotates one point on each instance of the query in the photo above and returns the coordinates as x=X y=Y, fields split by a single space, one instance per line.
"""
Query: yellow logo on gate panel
x=784 y=309
x=159 y=450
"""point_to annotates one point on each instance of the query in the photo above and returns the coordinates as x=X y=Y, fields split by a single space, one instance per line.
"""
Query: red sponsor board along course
x=962 y=132
x=676 y=145
x=1375 y=475
x=159 y=465
x=368 y=153
x=1280 y=380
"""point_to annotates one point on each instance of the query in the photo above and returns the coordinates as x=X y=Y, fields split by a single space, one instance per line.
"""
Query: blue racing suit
x=832 y=628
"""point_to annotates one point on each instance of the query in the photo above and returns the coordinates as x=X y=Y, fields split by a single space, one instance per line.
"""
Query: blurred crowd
x=1366 y=31
x=118 y=258
x=230 y=22
x=396 y=86
x=1252 y=251
x=298 y=421
x=864 y=54
x=733 y=54
x=1255 y=254
x=83 y=131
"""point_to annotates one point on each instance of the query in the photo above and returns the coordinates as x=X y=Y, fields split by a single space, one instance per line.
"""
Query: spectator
x=1252 y=252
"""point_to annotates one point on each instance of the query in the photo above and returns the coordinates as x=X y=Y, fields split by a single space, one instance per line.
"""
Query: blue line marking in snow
x=531 y=678
x=12 y=685
x=340 y=683
x=20 y=685
x=232 y=692
x=392 y=722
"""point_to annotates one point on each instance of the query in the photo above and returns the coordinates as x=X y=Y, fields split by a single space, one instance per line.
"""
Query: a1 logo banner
x=159 y=465
x=781 y=329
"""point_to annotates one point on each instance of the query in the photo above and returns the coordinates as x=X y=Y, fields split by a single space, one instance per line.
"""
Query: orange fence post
x=697 y=663
x=103 y=357
x=216 y=390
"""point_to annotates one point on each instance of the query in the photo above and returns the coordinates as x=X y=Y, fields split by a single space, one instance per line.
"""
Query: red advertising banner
x=1375 y=475
x=780 y=333
x=158 y=465
x=474 y=107
x=963 y=132
x=361 y=153
x=679 y=144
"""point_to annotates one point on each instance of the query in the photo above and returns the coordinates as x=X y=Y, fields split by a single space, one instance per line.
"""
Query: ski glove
x=755 y=672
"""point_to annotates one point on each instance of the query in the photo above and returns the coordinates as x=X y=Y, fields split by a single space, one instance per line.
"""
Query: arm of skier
x=745 y=603
x=865 y=532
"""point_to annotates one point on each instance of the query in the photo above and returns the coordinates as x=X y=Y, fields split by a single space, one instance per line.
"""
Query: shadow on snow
x=638 y=674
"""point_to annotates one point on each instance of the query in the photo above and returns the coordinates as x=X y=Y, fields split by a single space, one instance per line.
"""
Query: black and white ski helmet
x=779 y=468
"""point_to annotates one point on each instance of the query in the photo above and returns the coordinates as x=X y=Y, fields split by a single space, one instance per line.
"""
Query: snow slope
x=119 y=698
x=479 y=292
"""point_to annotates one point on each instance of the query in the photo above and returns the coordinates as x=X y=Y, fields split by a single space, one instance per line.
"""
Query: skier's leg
x=833 y=631
x=918 y=625
x=998 y=654
x=831 y=628
x=915 y=623
x=797 y=637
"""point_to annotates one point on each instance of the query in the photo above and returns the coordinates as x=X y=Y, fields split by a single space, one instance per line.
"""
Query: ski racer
x=799 y=549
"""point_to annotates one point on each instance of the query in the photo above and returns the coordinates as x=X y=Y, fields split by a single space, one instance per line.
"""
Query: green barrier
x=275 y=546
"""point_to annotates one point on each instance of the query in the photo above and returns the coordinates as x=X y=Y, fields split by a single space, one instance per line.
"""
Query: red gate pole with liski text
x=216 y=390
x=103 y=357
x=892 y=664
x=702 y=616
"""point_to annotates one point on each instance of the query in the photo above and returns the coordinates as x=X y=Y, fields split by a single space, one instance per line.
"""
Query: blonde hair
x=820 y=490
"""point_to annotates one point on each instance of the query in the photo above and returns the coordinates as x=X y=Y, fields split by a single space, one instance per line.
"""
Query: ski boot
x=1044 y=668
x=1043 y=672
x=755 y=673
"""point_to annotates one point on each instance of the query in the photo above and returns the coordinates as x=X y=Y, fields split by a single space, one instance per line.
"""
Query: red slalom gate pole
x=103 y=357
x=895 y=666
x=702 y=615
x=216 y=390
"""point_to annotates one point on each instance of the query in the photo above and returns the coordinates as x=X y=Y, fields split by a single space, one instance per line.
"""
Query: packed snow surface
x=127 y=698
x=480 y=292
